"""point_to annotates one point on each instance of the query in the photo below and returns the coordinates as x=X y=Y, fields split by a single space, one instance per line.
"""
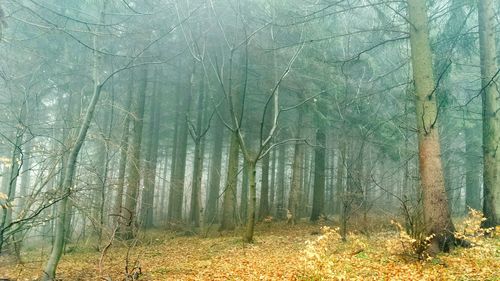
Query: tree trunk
x=229 y=201
x=162 y=213
x=298 y=157
x=280 y=181
x=319 y=175
x=215 y=172
x=339 y=184
x=12 y=181
x=147 y=204
x=252 y=201
x=472 y=168
x=195 y=212
x=244 y=194
x=435 y=205
x=122 y=162
x=176 y=196
x=272 y=189
x=49 y=272
x=264 y=188
x=134 y=167
x=491 y=113
x=101 y=170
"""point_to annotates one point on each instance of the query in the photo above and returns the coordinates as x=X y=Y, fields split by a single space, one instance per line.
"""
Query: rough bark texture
x=319 y=175
x=491 y=113
x=436 y=212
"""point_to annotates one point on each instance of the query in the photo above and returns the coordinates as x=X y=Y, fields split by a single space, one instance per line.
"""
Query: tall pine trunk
x=319 y=175
x=148 y=202
x=280 y=182
x=198 y=136
x=491 y=113
x=129 y=212
x=122 y=162
x=215 y=172
x=435 y=204
x=229 y=199
x=176 y=196
x=298 y=158
x=252 y=201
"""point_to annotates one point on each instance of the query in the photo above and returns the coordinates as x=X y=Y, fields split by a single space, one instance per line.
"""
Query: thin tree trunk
x=298 y=158
x=198 y=161
x=147 y=204
x=280 y=179
x=215 y=172
x=162 y=212
x=134 y=167
x=122 y=162
x=272 y=190
x=264 y=188
x=12 y=182
x=229 y=200
x=252 y=201
x=176 y=196
x=472 y=168
x=244 y=194
x=319 y=175
x=49 y=272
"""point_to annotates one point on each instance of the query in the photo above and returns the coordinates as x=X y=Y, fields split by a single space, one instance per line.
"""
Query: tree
x=151 y=159
x=134 y=168
x=491 y=112
x=436 y=212
x=319 y=175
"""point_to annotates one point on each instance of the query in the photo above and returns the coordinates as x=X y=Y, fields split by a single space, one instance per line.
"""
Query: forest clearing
x=280 y=252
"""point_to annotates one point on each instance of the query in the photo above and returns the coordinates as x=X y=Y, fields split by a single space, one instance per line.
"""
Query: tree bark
x=280 y=181
x=134 y=167
x=264 y=188
x=122 y=162
x=215 y=172
x=472 y=168
x=298 y=157
x=252 y=201
x=49 y=272
x=176 y=196
x=196 y=208
x=229 y=201
x=491 y=113
x=436 y=212
x=151 y=161
x=319 y=176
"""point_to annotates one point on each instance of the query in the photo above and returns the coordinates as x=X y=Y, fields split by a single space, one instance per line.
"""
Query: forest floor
x=280 y=252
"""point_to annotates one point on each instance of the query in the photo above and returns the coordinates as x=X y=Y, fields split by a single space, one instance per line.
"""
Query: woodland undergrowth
x=281 y=252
